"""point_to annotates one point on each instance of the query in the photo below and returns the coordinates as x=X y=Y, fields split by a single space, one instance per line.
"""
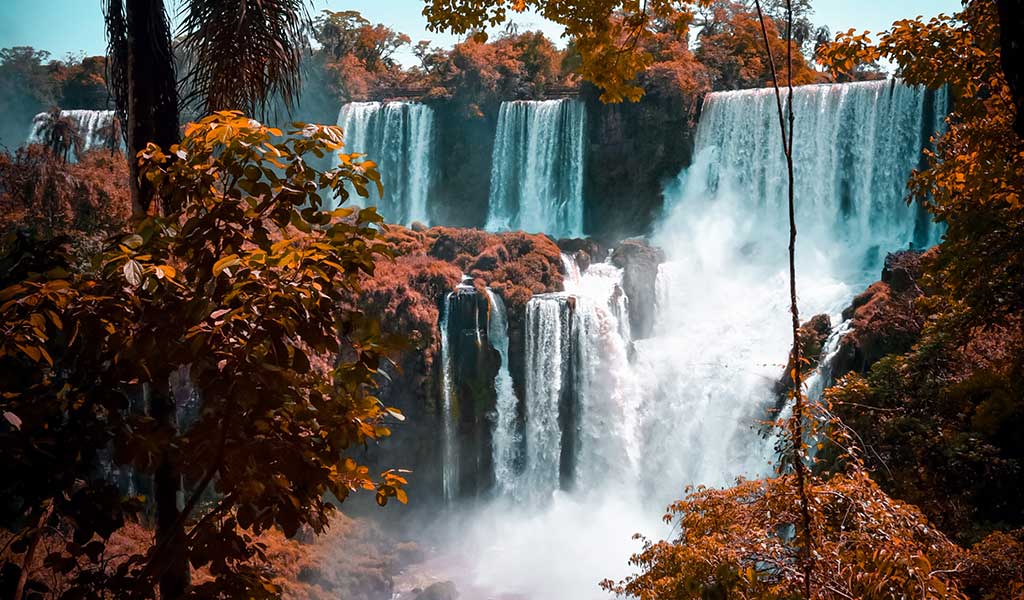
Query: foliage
x=242 y=54
x=59 y=133
x=732 y=50
x=45 y=196
x=607 y=34
x=738 y=543
x=952 y=403
x=237 y=291
x=348 y=33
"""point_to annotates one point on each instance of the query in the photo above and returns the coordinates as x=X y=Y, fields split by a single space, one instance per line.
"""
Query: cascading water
x=449 y=450
x=399 y=137
x=537 y=168
x=686 y=409
x=95 y=126
x=505 y=440
x=579 y=422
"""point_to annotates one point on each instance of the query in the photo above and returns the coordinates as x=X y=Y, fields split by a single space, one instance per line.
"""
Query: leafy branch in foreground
x=236 y=296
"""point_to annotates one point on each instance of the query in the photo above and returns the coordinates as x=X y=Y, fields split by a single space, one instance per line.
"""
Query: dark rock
x=639 y=262
x=585 y=251
x=902 y=270
x=443 y=590
x=475 y=363
x=884 y=317
x=310 y=574
x=625 y=172
x=418 y=226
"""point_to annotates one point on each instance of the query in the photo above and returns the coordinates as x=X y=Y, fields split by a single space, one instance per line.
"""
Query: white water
x=399 y=137
x=686 y=410
x=95 y=127
x=449 y=450
x=506 y=438
x=537 y=168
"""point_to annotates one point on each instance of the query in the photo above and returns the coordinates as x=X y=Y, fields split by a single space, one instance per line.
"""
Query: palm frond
x=117 y=56
x=242 y=54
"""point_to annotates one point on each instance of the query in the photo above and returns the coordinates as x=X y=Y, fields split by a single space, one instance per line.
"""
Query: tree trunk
x=170 y=531
x=1011 y=34
x=152 y=102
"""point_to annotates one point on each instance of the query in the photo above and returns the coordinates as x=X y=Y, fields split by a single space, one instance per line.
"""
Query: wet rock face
x=812 y=335
x=639 y=263
x=475 y=363
x=884 y=318
x=585 y=251
x=443 y=590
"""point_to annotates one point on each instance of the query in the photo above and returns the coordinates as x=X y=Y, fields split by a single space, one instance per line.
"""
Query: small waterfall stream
x=506 y=438
x=537 y=168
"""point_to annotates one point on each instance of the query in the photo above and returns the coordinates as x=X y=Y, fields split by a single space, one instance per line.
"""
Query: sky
x=76 y=26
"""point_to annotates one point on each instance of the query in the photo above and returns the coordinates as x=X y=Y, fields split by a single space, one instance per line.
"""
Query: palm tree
x=60 y=134
x=240 y=54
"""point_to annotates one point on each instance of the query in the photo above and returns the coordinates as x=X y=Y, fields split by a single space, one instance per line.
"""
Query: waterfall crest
x=537 y=168
x=399 y=137
x=95 y=126
x=855 y=147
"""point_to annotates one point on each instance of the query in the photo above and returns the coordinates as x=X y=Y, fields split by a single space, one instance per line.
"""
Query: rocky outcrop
x=407 y=295
x=883 y=318
x=585 y=251
x=634 y=147
x=443 y=590
x=639 y=263
x=474 y=364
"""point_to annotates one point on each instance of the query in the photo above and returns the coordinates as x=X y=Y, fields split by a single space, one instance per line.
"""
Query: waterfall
x=399 y=138
x=505 y=441
x=722 y=332
x=547 y=356
x=580 y=422
x=537 y=168
x=449 y=449
x=633 y=422
x=95 y=126
x=855 y=147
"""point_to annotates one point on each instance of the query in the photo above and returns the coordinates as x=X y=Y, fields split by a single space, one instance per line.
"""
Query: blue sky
x=76 y=26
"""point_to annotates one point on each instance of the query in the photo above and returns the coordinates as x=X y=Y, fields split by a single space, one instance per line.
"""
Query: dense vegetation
x=220 y=326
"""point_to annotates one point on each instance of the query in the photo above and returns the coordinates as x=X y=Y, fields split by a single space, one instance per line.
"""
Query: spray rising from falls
x=537 y=168
x=399 y=137
x=96 y=127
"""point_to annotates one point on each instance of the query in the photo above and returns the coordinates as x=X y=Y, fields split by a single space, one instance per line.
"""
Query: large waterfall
x=616 y=428
x=95 y=126
x=537 y=168
x=399 y=137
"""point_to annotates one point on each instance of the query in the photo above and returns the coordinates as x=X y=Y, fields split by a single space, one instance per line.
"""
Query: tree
x=59 y=133
x=237 y=292
x=142 y=78
x=608 y=35
x=26 y=89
